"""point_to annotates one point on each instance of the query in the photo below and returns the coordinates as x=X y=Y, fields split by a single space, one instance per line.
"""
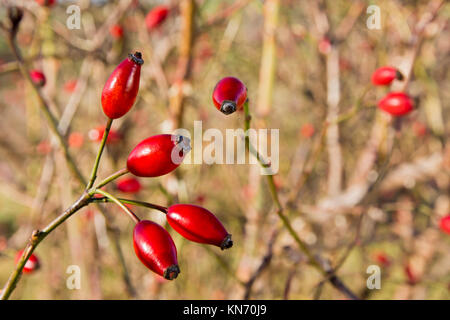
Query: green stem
x=112 y=177
x=120 y=204
x=133 y=202
x=99 y=154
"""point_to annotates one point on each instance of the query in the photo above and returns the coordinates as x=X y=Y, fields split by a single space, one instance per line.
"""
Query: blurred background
x=359 y=187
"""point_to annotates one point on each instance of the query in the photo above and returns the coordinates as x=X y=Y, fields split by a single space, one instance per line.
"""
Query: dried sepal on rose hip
x=158 y=155
x=199 y=225
x=155 y=248
x=32 y=263
x=396 y=103
x=385 y=75
x=229 y=95
x=122 y=86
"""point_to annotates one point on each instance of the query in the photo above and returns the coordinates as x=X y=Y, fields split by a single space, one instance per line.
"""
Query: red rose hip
x=229 y=95
x=385 y=75
x=156 y=17
x=122 y=86
x=444 y=224
x=31 y=265
x=396 y=103
x=158 y=155
x=199 y=225
x=155 y=248
x=129 y=185
x=38 y=78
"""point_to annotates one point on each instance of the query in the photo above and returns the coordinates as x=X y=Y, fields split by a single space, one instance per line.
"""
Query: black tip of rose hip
x=228 y=107
x=399 y=75
x=171 y=272
x=136 y=58
x=226 y=243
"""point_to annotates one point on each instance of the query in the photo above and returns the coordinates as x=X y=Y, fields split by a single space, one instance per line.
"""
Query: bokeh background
x=364 y=190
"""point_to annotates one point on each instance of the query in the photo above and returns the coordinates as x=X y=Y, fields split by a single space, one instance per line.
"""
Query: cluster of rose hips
x=394 y=103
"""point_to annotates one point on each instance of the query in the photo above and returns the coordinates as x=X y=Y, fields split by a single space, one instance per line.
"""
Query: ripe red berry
x=116 y=31
x=383 y=259
x=97 y=135
x=38 y=78
x=156 y=17
x=70 y=86
x=31 y=265
x=129 y=185
x=396 y=103
x=385 y=75
x=121 y=88
x=47 y=3
x=324 y=46
x=444 y=224
x=155 y=248
x=307 y=130
x=76 y=140
x=158 y=155
x=410 y=275
x=229 y=95
x=199 y=225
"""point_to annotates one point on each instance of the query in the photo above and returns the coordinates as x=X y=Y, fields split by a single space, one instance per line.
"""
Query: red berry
x=385 y=75
x=116 y=31
x=156 y=17
x=129 y=185
x=396 y=103
x=324 y=46
x=47 y=3
x=444 y=224
x=383 y=259
x=155 y=248
x=97 y=135
x=38 y=78
x=31 y=265
x=307 y=130
x=158 y=155
x=410 y=275
x=70 y=86
x=76 y=140
x=44 y=147
x=229 y=95
x=199 y=225
x=121 y=88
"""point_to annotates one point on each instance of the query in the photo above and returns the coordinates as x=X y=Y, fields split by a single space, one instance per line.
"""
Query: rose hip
x=156 y=17
x=122 y=86
x=155 y=248
x=129 y=185
x=38 y=78
x=158 y=155
x=199 y=225
x=385 y=75
x=396 y=103
x=229 y=95
x=444 y=224
x=31 y=265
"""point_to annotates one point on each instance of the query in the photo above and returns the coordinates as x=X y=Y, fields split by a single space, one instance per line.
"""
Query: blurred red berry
x=199 y=225
x=70 y=86
x=44 y=147
x=129 y=185
x=324 y=46
x=122 y=86
x=158 y=155
x=97 y=135
x=31 y=265
x=383 y=259
x=419 y=129
x=385 y=75
x=76 y=140
x=38 y=77
x=307 y=130
x=156 y=17
x=47 y=3
x=155 y=248
x=396 y=103
x=444 y=224
x=116 y=31
x=412 y=278
x=229 y=95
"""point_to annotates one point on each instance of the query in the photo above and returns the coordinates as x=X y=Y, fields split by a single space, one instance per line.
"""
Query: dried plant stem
x=331 y=277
